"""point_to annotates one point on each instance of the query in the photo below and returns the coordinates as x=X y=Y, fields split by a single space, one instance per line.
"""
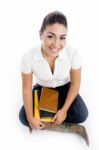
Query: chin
x=54 y=54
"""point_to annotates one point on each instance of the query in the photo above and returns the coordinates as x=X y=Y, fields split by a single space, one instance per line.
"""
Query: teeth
x=54 y=50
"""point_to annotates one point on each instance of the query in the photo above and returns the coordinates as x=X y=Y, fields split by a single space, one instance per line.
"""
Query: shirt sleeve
x=76 y=60
x=26 y=65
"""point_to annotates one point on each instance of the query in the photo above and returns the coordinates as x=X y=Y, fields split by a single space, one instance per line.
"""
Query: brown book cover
x=48 y=100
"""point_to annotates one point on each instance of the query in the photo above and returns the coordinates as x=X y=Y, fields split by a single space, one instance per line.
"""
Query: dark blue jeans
x=77 y=112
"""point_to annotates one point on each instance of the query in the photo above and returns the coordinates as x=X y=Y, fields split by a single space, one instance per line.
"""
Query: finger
x=42 y=125
x=54 y=118
x=47 y=123
x=56 y=123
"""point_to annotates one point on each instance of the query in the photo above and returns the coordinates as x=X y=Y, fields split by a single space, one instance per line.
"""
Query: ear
x=40 y=34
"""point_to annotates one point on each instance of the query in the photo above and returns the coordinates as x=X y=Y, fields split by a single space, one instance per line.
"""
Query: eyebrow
x=55 y=34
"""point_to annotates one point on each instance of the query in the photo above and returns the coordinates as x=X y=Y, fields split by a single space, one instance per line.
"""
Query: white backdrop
x=20 y=21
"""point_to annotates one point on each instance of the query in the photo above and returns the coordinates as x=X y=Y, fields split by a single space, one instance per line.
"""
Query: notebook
x=48 y=100
x=37 y=114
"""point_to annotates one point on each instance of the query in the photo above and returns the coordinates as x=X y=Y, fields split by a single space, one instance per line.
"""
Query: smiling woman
x=57 y=66
x=53 y=39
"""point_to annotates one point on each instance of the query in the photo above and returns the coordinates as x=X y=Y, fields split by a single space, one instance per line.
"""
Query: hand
x=59 y=117
x=36 y=124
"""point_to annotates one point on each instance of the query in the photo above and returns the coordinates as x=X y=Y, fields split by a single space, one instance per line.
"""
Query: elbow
x=76 y=85
x=26 y=91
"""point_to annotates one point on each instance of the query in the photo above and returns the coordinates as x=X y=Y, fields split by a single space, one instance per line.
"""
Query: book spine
x=48 y=110
x=36 y=108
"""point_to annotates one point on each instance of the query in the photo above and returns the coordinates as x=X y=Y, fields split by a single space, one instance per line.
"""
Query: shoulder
x=70 y=50
x=74 y=57
x=27 y=60
x=31 y=53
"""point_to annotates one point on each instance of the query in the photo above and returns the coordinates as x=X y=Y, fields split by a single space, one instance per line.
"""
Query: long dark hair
x=53 y=17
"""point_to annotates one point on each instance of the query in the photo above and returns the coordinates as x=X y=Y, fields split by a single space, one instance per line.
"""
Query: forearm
x=28 y=103
x=73 y=91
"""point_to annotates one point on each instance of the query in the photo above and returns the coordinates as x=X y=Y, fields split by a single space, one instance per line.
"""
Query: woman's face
x=53 y=39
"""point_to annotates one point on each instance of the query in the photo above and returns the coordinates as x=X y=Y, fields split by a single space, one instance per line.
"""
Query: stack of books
x=46 y=106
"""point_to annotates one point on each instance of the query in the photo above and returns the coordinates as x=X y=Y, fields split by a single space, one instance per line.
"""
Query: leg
x=77 y=112
x=22 y=117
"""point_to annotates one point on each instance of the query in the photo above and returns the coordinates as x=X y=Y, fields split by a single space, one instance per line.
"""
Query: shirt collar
x=38 y=54
x=62 y=54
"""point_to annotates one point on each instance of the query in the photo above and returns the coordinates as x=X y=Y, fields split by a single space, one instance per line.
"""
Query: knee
x=22 y=117
x=83 y=116
x=82 y=110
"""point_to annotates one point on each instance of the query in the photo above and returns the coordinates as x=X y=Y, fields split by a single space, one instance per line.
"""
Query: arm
x=28 y=101
x=75 y=75
x=27 y=94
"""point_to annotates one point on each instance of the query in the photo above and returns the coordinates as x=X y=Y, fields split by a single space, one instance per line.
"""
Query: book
x=42 y=112
x=48 y=100
x=36 y=109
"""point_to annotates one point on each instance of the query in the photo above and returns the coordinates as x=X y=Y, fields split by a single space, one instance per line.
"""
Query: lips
x=54 y=50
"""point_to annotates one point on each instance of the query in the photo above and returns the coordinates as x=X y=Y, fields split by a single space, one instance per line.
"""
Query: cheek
x=63 y=44
x=47 y=42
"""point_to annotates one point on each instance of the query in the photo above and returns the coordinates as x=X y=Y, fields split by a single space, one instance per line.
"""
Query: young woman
x=55 y=65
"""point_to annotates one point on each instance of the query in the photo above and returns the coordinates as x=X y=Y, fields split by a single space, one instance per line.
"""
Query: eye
x=50 y=36
x=63 y=38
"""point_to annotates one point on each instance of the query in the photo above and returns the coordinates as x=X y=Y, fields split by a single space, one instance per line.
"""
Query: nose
x=56 y=43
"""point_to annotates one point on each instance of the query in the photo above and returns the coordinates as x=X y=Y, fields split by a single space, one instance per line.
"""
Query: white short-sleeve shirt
x=33 y=61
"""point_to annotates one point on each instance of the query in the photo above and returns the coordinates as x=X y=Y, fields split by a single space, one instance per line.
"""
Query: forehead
x=56 y=28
